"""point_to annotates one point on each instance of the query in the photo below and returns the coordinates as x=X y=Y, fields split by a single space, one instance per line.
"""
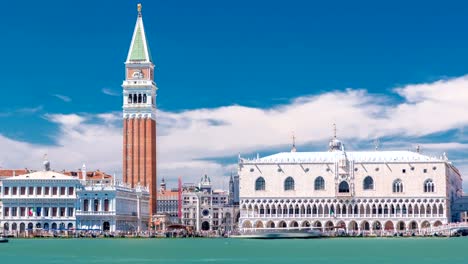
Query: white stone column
x=197 y=212
x=138 y=213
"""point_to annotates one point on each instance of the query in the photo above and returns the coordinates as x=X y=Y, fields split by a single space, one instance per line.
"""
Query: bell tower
x=139 y=115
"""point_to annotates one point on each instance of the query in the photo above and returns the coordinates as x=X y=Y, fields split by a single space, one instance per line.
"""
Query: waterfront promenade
x=451 y=229
x=136 y=251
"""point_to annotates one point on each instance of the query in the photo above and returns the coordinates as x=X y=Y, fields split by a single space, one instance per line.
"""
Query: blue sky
x=63 y=67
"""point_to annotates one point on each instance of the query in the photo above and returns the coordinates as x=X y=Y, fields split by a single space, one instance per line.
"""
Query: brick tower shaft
x=139 y=114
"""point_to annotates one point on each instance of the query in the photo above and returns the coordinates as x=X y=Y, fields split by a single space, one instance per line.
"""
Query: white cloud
x=188 y=139
x=30 y=110
x=67 y=121
x=21 y=111
x=62 y=97
x=110 y=92
x=445 y=146
x=110 y=117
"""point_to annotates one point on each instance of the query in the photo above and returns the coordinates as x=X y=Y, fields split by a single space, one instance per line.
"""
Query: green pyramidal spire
x=139 y=49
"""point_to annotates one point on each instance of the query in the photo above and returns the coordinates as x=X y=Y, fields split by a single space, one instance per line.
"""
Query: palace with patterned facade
x=368 y=191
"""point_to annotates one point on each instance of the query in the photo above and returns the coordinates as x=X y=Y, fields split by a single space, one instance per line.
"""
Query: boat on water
x=278 y=233
x=3 y=240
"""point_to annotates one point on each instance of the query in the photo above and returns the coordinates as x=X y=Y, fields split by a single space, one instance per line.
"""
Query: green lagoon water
x=135 y=251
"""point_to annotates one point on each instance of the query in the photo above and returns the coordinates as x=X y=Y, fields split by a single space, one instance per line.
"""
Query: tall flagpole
x=179 y=204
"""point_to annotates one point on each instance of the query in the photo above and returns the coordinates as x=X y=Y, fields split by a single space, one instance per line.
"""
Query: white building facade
x=112 y=206
x=374 y=191
x=51 y=201
x=42 y=200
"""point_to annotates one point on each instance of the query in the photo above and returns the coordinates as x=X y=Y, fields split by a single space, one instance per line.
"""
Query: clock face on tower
x=137 y=74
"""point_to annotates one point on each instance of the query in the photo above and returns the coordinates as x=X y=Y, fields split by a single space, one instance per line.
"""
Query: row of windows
x=96 y=203
x=22 y=226
x=38 y=190
x=137 y=98
x=38 y=211
x=343 y=187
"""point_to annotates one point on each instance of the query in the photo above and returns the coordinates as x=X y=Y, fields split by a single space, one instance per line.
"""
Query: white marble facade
x=51 y=201
x=112 y=206
x=42 y=200
x=358 y=191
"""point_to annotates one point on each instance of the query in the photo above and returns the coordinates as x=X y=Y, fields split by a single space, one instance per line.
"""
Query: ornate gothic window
x=260 y=184
x=397 y=186
x=289 y=184
x=428 y=185
x=319 y=183
x=368 y=183
x=343 y=187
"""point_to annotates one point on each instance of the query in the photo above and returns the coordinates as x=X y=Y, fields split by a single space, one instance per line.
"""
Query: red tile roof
x=90 y=175
x=10 y=173
x=162 y=194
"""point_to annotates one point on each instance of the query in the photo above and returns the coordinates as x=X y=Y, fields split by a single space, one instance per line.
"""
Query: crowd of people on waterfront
x=452 y=229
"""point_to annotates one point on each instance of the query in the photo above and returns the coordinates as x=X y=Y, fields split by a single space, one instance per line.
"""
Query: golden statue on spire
x=139 y=8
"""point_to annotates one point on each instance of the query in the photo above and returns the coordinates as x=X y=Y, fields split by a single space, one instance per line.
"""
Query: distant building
x=108 y=205
x=96 y=175
x=460 y=209
x=41 y=200
x=168 y=203
x=205 y=209
x=5 y=173
x=51 y=201
x=160 y=222
x=234 y=190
